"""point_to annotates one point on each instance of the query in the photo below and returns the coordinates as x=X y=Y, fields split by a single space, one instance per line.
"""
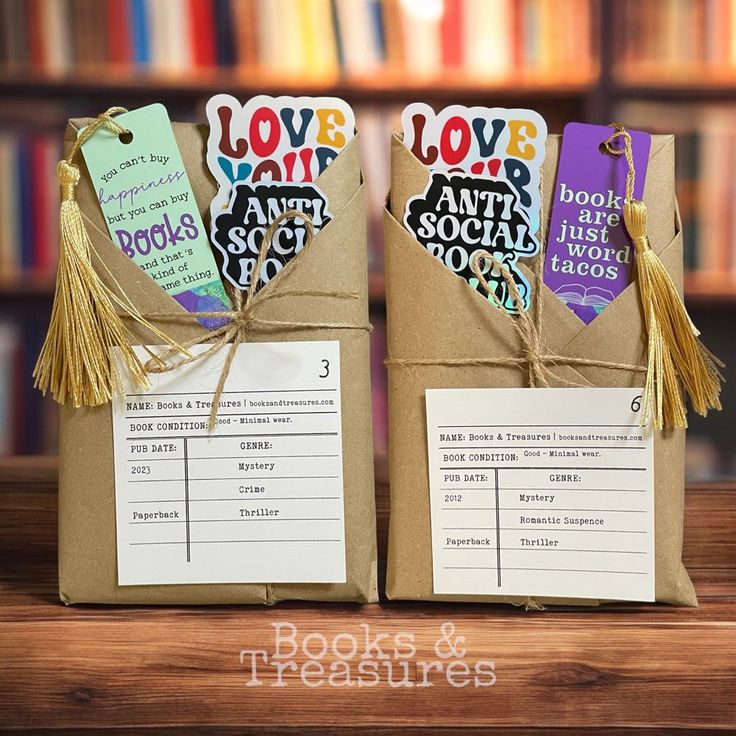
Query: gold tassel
x=677 y=359
x=678 y=363
x=75 y=363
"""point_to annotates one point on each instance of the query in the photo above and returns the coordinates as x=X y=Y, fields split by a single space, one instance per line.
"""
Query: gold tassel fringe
x=75 y=363
x=677 y=362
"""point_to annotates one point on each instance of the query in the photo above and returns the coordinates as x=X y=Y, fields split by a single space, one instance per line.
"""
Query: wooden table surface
x=618 y=669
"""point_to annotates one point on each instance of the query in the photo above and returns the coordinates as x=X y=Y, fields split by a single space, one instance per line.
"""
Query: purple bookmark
x=589 y=255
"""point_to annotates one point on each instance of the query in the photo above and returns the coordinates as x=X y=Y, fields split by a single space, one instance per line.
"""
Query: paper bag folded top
x=335 y=261
x=433 y=314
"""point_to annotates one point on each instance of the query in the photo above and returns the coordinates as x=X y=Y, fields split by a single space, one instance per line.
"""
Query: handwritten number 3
x=326 y=368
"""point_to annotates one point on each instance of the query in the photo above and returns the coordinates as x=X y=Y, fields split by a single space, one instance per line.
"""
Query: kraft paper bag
x=434 y=314
x=335 y=261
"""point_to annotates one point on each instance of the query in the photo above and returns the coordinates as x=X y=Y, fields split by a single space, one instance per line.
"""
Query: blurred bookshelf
x=663 y=65
x=703 y=290
x=390 y=86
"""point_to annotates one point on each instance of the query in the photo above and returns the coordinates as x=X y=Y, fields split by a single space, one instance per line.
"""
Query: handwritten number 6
x=326 y=367
x=636 y=404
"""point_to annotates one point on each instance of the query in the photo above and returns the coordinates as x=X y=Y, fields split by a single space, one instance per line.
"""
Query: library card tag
x=260 y=499
x=558 y=501
x=589 y=255
x=150 y=211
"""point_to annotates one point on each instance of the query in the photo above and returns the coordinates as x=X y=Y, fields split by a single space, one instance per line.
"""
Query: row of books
x=706 y=158
x=316 y=39
x=8 y=379
x=705 y=144
x=29 y=192
x=29 y=424
x=29 y=211
x=672 y=36
x=28 y=421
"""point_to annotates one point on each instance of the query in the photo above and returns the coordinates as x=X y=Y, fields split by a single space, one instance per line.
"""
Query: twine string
x=67 y=170
x=608 y=147
x=528 y=333
x=242 y=320
x=103 y=120
x=640 y=240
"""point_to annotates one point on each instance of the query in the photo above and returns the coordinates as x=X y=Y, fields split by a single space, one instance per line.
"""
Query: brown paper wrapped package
x=433 y=314
x=335 y=261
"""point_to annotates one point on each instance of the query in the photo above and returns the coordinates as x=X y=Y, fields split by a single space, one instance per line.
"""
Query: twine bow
x=533 y=356
x=528 y=329
x=242 y=319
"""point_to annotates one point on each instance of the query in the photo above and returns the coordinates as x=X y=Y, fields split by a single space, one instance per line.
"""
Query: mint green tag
x=149 y=207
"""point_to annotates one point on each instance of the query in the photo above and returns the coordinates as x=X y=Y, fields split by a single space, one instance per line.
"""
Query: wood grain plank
x=710 y=522
x=609 y=670
x=590 y=673
x=29 y=470
x=379 y=731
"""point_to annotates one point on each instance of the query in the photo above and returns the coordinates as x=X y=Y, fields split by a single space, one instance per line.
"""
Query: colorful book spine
x=28 y=204
x=10 y=256
x=9 y=347
x=119 y=35
x=224 y=40
x=40 y=206
x=452 y=34
x=202 y=33
x=26 y=217
x=139 y=25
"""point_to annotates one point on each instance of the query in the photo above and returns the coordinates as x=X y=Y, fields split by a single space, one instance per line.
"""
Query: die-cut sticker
x=237 y=231
x=459 y=214
x=488 y=141
x=279 y=139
